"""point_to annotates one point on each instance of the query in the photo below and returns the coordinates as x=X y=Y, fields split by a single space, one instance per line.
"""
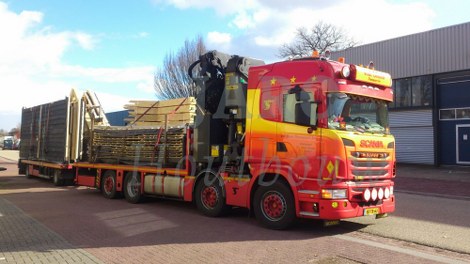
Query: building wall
x=453 y=115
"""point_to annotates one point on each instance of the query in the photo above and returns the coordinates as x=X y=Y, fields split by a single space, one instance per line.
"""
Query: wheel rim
x=133 y=187
x=274 y=206
x=209 y=197
x=109 y=184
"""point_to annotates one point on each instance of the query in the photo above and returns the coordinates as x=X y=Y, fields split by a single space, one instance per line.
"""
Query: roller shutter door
x=414 y=135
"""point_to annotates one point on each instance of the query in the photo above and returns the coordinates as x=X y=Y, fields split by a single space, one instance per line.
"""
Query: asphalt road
x=432 y=221
x=163 y=231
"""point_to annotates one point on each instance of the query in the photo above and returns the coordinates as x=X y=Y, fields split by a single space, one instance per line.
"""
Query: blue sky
x=113 y=47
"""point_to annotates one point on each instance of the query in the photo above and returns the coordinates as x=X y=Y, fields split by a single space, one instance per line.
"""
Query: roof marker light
x=315 y=54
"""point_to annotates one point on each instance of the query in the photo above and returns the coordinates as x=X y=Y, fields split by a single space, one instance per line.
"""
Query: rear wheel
x=209 y=195
x=132 y=187
x=108 y=184
x=274 y=206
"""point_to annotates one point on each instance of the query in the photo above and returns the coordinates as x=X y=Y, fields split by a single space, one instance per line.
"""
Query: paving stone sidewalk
x=25 y=240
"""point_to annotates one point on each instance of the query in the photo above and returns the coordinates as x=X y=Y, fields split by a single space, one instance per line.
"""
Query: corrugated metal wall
x=436 y=51
x=414 y=135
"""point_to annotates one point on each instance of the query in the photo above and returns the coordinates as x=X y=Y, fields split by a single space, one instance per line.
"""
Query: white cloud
x=215 y=38
x=222 y=7
x=84 y=40
x=32 y=70
x=219 y=41
x=112 y=102
x=107 y=75
x=380 y=19
x=264 y=25
x=243 y=20
x=143 y=34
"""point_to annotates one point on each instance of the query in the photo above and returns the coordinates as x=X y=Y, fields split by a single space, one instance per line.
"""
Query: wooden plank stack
x=133 y=145
x=177 y=112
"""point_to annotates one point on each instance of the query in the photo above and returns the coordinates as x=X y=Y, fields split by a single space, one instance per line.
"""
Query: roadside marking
x=402 y=250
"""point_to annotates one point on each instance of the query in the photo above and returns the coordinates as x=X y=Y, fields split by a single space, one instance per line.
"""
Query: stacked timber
x=172 y=112
x=138 y=145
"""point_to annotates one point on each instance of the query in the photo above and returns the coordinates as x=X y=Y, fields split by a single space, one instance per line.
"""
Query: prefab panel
x=45 y=132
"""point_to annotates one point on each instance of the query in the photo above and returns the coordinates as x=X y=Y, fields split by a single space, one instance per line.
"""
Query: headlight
x=334 y=193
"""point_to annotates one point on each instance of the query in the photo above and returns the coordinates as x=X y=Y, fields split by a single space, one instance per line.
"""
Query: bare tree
x=321 y=37
x=172 y=80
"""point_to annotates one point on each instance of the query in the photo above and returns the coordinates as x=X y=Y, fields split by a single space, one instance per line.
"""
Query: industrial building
x=430 y=115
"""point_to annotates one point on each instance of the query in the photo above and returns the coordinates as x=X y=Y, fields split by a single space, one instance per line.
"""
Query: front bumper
x=343 y=208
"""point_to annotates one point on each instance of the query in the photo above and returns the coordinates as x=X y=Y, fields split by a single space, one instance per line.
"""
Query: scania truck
x=302 y=138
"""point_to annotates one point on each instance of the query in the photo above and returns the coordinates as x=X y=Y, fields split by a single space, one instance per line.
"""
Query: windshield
x=357 y=113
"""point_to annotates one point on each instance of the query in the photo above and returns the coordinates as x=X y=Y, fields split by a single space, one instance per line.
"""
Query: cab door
x=297 y=141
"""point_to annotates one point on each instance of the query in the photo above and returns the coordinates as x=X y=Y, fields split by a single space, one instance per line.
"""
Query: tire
x=274 y=206
x=108 y=184
x=57 y=178
x=210 y=199
x=132 y=187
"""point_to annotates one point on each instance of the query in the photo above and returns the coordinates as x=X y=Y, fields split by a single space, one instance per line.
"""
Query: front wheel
x=108 y=184
x=274 y=206
x=132 y=187
x=209 y=195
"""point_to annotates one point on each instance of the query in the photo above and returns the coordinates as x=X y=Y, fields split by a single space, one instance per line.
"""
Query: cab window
x=299 y=106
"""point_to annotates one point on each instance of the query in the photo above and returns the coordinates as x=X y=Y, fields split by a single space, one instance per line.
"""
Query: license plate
x=371 y=211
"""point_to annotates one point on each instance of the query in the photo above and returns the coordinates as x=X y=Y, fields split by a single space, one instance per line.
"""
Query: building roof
x=439 y=50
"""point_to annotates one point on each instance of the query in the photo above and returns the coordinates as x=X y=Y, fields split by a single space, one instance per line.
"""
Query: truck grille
x=369 y=164
x=369 y=169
